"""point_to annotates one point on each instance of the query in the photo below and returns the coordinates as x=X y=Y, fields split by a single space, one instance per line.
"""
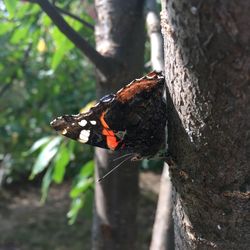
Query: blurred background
x=42 y=76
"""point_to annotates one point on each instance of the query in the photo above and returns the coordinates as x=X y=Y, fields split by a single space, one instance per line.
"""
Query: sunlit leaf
x=19 y=34
x=46 y=21
x=45 y=184
x=76 y=205
x=62 y=43
x=11 y=7
x=27 y=8
x=74 y=23
x=6 y=27
x=45 y=156
x=81 y=186
x=62 y=46
x=38 y=144
x=84 y=182
x=61 y=161
x=57 y=57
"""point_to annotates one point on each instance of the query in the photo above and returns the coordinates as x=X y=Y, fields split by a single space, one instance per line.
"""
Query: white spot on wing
x=64 y=132
x=84 y=136
x=51 y=123
x=107 y=98
x=82 y=123
x=93 y=122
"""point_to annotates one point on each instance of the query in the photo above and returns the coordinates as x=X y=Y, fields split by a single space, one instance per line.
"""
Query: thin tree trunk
x=119 y=58
x=207 y=72
x=163 y=229
x=120 y=37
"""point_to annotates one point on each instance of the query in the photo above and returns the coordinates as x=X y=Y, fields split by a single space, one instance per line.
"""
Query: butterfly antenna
x=120 y=157
x=112 y=170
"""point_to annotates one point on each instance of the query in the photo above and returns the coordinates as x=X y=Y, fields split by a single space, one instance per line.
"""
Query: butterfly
x=132 y=120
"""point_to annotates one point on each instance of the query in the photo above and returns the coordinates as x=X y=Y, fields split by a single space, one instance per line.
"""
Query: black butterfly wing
x=89 y=127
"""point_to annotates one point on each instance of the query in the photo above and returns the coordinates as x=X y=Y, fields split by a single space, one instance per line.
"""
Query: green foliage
x=81 y=192
x=61 y=161
x=42 y=75
x=11 y=7
x=44 y=158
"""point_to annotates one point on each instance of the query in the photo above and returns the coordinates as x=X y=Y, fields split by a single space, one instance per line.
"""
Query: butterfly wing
x=133 y=119
x=91 y=127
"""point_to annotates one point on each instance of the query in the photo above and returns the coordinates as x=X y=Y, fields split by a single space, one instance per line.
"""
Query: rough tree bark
x=207 y=68
x=120 y=37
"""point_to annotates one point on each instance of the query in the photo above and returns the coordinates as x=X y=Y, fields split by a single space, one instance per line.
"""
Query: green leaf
x=74 y=23
x=61 y=161
x=11 y=7
x=46 y=21
x=88 y=204
x=87 y=169
x=76 y=205
x=84 y=182
x=6 y=27
x=82 y=186
x=45 y=156
x=45 y=184
x=62 y=44
x=19 y=34
x=38 y=144
x=57 y=58
x=84 y=202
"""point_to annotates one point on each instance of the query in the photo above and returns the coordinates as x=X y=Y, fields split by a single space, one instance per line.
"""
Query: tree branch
x=154 y=33
x=102 y=63
x=85 y=23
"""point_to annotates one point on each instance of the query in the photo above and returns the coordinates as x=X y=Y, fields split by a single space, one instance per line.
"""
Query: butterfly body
x=132 y=120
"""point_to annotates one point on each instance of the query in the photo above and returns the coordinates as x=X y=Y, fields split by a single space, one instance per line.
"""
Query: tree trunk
x=120 y=37
x=163 y=229
x=207 y=72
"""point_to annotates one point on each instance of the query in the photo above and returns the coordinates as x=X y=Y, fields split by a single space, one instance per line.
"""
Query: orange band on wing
x=110 y=135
